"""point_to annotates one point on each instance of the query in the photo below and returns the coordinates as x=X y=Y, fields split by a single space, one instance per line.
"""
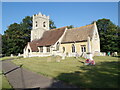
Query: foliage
x=71 y=26
x=108 y=35
x=51 y=24
x=16 y=37
x=103 y=75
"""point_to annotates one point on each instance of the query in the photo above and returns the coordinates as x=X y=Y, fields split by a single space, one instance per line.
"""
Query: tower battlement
x=40 y=15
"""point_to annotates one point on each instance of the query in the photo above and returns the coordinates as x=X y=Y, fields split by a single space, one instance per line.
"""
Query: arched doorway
x=28 y=52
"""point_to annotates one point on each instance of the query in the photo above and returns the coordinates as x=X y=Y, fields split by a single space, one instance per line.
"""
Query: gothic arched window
x=57 y=46
x=63 y=49
x=44 y=24
x=28 y=50
x=73 y=48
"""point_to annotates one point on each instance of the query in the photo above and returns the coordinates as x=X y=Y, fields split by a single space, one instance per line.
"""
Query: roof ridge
x=81 y=27
x=58 y=28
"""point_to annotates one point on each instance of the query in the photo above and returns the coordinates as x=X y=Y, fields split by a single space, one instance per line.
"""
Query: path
x=23 y=78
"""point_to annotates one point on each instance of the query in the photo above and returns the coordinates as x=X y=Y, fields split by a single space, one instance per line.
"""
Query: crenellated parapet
x=40 y=15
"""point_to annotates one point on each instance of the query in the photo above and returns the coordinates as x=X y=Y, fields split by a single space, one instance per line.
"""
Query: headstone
x=115 y=53
x=19 y=54
x=11 y=55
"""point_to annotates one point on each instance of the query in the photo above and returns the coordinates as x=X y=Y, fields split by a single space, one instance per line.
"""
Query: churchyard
x=72 y=71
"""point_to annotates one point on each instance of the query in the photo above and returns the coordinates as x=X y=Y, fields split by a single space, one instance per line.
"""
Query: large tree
x=52 y=24
x=108 y=35
x=17 y=35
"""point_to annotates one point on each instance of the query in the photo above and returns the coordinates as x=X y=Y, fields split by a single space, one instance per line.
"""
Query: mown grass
x=5 y=58
x=4 y=84
x=104 y=74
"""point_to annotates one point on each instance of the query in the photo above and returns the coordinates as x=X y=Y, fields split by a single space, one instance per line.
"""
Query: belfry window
x=44 y=24
x=36 y=23
x=73 y=48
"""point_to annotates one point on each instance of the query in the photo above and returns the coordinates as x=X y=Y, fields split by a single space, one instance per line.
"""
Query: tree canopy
x=71 y=26
x=108 y=33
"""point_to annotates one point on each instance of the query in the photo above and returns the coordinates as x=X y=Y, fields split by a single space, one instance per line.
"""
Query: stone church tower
x=40 y=25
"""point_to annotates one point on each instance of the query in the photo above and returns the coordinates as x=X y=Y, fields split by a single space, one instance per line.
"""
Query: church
x=60 y=41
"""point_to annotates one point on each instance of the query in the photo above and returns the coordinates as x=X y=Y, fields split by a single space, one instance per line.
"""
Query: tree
x=51 y=24
x=108 y=35
x=16 y=37
x=71 y=26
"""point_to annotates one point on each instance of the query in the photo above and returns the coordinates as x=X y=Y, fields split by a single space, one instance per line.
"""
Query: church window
x=57 y=46
x=63 y=49
x=73 y=48
x=41 y=49
x=83 y=48
x=28 y=50
x=44 y=24
x=48 y=48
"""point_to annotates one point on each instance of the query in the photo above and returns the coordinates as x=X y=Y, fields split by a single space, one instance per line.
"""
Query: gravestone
x=18 y=54
x=11 y=55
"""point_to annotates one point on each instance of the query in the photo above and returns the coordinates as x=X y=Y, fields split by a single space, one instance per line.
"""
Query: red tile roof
x=49 y=38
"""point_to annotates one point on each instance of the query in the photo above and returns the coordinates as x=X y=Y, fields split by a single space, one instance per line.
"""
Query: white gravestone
x=11 y=55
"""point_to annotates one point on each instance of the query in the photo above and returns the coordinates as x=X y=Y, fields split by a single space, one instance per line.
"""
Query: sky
x=62 y=13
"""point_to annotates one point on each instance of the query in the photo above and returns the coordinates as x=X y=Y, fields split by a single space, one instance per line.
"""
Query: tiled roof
x=33 y=46
x=49 y=38
x=78 y=34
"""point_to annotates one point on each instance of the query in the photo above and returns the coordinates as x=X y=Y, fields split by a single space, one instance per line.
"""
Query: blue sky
x=62 y=13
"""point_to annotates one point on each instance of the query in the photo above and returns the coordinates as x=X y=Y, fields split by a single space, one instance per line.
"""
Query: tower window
x=36 y=23
x=44 y=24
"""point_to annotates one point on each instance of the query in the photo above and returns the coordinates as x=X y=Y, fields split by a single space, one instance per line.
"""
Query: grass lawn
x=5 y=58
x=4 y=84
x=103 y=75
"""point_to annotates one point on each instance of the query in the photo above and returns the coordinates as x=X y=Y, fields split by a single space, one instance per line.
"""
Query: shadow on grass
x=103 y=75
